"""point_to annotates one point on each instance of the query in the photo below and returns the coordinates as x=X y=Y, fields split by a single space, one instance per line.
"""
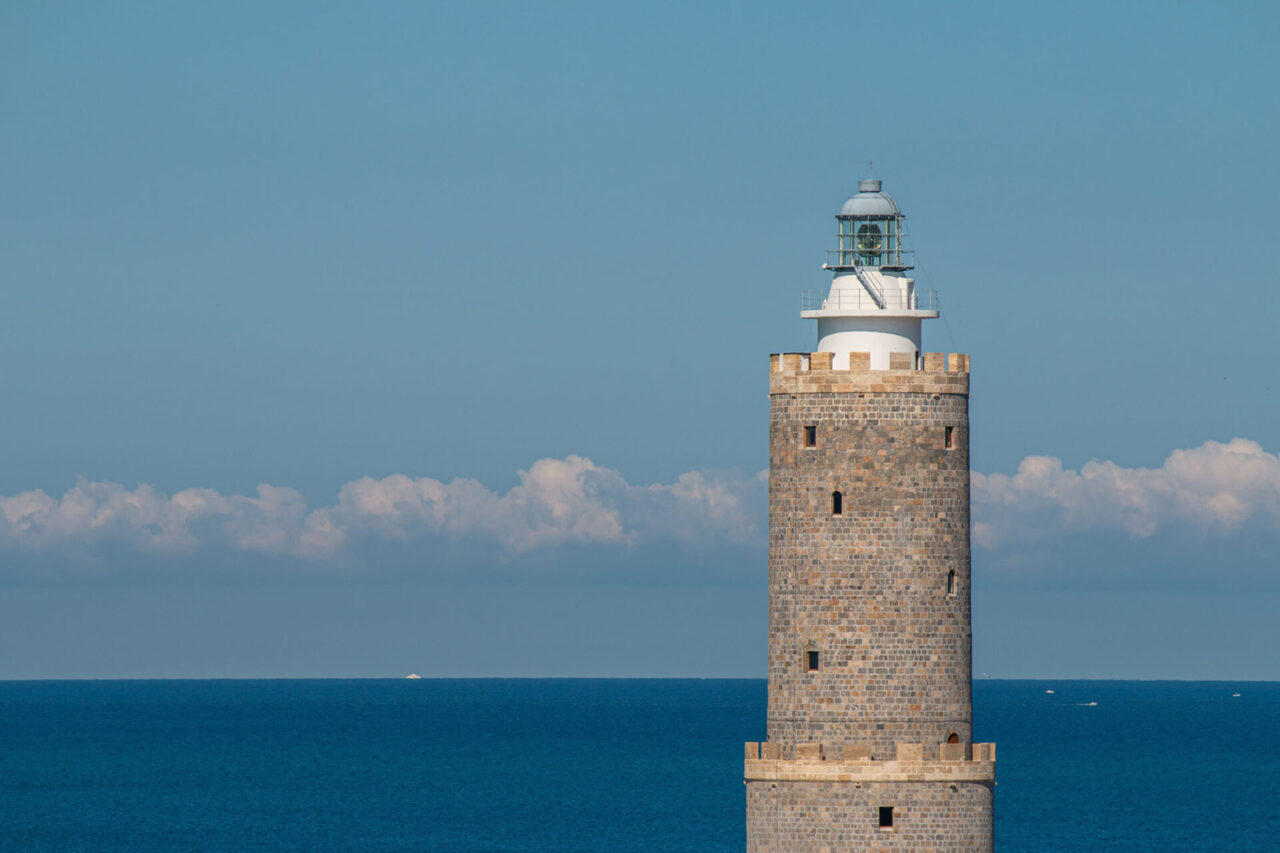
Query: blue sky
x=351 y=341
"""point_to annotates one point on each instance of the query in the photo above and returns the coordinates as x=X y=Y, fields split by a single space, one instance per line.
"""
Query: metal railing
x=860 y=300
x=848 y=259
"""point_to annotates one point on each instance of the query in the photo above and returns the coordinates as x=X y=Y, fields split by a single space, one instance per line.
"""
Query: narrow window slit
x=812 y=661
x=811 y=436
x=837 y=503
x=886 y=817
x=951 y=582
x=950 y=439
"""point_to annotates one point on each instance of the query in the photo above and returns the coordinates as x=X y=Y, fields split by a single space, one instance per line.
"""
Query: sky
x=349 y=340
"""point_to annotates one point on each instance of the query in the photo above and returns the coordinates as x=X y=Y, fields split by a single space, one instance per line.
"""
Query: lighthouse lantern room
x=872 y=306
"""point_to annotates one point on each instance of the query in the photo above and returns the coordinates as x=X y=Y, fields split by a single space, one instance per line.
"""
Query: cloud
x=557 y=503
x=1212 y=490
x=1200 y=505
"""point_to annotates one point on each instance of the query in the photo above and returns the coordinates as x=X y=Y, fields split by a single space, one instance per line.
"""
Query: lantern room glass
x=868 y=242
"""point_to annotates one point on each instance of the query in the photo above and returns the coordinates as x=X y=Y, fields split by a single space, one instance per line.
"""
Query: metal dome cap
x=871 y=201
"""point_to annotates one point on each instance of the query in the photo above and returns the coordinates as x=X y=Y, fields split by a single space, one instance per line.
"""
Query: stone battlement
x=764 y=762
x=816 y=372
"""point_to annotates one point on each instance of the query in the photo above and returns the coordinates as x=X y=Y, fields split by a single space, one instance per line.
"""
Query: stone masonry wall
x=868 y=588
x=784 y=817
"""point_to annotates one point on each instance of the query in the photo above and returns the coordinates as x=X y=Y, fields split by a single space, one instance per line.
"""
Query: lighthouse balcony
x=910 y=302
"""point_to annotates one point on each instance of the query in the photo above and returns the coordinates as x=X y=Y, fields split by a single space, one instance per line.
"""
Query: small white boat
x=1048 y=691
x=1235 y=695
x=1087 y=704
x=413 y=675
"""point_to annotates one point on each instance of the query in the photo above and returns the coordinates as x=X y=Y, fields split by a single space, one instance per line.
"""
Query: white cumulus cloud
x=556 y=502
x=1214 y=489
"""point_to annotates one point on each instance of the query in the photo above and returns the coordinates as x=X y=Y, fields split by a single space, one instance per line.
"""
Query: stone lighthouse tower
x=870 y=714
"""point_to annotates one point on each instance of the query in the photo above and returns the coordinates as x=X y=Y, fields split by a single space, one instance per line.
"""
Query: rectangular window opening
x=886 y=817
x=950 y=438
x=812 y=662
x=811 y=436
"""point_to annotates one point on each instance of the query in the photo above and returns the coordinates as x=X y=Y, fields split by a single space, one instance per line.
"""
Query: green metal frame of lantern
x=870 y=242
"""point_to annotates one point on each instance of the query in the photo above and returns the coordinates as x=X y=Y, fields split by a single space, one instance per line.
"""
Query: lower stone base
x=795 y=817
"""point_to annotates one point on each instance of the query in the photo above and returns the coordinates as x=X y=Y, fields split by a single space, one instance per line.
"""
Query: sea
x=586 y=765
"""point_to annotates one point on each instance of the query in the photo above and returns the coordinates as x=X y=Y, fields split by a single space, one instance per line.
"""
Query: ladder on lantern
x=876 y=295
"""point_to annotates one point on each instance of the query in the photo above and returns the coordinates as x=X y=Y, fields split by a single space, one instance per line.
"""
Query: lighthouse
x=870 y=717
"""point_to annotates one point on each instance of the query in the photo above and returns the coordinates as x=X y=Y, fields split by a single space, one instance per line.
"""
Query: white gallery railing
x=861 y=300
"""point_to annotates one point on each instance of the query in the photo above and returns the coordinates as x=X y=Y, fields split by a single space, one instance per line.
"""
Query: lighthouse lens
x=869 y=238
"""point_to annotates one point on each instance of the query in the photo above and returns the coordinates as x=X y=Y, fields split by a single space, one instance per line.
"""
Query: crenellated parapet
x=912 y=762
x=817 y=372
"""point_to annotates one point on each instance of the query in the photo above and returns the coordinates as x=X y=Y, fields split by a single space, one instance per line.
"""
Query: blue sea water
x=585 y=765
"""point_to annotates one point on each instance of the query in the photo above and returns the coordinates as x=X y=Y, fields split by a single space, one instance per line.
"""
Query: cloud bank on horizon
x=557 y=503
x=1207 y=514
x=1214 y=488
x=1212 y=492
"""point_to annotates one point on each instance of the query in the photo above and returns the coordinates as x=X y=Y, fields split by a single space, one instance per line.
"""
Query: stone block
x=821 y=361
x=902 y=361
x=859 y=361
x=791 y=360
x=771 y=751
x=959 y=363
x=910 y=751
x=809 y=751
x=952 y=752
x=752 y=751
x=857 y=752
x=935 y=362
